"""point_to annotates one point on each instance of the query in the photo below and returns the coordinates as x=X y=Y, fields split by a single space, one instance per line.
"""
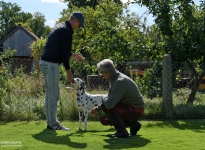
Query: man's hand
x=78 y=57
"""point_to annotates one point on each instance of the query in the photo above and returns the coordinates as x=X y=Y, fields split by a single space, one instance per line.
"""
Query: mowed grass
x=154 y=135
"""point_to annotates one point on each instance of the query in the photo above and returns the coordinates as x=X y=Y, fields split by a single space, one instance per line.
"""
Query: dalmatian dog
x=85 y=101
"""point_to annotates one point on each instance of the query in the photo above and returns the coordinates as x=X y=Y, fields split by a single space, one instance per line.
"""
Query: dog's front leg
x=80 y=119
x=85 y=119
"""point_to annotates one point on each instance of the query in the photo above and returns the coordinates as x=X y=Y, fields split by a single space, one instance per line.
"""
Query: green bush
x=22 y=97
x=5 y=87
x=37 y=49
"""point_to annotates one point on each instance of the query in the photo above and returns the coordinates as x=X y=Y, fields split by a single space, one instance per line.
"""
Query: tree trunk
x=195 y=88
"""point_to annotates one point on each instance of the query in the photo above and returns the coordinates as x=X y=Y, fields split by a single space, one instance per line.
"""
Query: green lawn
x=154 y=135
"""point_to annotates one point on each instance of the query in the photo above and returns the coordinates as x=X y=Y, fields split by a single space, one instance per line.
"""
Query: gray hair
x=106 y=65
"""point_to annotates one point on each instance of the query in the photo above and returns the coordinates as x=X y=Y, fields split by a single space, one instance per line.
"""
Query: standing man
x=57 y=51
x=124 y=106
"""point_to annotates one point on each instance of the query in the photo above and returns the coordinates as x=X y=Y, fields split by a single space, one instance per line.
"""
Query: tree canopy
x=109 y=32
x=11 y=15
x=181 y=25
x=8 y=13
x=90 y=3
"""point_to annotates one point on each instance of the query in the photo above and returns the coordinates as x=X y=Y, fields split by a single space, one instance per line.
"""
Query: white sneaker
x=58 y=127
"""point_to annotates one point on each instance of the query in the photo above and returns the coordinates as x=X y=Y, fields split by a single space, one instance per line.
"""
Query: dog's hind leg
x=80 y=119
x=85 y=119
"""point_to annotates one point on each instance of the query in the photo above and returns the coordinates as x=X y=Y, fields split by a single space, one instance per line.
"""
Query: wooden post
x=167 y=87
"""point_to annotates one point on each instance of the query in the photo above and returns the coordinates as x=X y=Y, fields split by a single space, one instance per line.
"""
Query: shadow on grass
x=2 y=123
x=118 y=143
x=96 y=131
x=195 y=125
x=50 y=136
x=125 y=143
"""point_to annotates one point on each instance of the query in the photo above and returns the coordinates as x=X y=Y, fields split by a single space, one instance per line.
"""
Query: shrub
x=4 y=78
x=37 y=49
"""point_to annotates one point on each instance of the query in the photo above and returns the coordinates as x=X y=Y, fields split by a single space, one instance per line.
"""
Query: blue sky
x=52 y=8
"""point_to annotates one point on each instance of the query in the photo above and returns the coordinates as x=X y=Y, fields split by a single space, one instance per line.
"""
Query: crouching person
x=124 y=106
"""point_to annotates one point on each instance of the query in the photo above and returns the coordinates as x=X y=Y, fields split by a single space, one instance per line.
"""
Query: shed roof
x=14 y=29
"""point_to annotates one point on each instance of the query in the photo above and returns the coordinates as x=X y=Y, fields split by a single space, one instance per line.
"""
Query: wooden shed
x=19 y=39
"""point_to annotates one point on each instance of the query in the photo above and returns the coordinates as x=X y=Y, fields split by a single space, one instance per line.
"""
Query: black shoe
x=48 y=127
x=134 y=127
x=119 y=134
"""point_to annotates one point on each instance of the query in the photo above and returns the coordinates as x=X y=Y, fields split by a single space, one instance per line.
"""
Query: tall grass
x=26 y=101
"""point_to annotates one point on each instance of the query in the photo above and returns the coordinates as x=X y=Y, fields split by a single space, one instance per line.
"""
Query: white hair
x=106 y=65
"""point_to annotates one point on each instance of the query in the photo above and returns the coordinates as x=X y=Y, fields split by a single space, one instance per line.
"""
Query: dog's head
x=78 y=83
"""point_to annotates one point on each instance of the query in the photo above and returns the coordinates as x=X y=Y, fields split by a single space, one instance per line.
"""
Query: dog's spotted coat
x=85 y=102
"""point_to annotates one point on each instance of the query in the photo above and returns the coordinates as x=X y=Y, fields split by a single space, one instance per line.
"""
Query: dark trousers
x=122 y=116
x=126 y=112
